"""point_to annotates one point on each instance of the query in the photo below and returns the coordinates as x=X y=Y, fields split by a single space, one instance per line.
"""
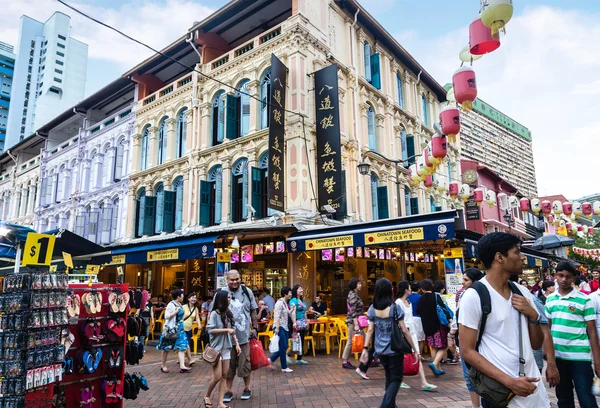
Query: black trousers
x=394 y=372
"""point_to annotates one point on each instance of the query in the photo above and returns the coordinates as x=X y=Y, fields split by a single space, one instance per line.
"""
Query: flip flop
x=429 y=388
x=112 y=301
x=98 y=301
x=125 y=298
x=145 y=298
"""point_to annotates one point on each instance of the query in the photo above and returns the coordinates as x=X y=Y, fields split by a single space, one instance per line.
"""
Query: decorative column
x=109 y=166
x=16 y=203
x=253 y=87
x=85 y=176
x=409 y=94
x=171 y=139
x=153 y=147
x=130 y=225
x=62 y=220
x=136 y=154
x=25 y=198
x=205 y=128
x=187 y=200
x=191 y=139
x=380 y=133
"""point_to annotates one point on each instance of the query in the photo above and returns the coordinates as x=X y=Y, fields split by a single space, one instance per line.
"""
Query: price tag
x=38 y=249
x=68 y=260
x=120 y=271
x=53 y=268
x=92 y=269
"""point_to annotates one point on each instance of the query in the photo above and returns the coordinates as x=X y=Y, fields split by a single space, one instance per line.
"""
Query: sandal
x=429 y=387
x=207 y=402
x=185 y=370
x=164 y=370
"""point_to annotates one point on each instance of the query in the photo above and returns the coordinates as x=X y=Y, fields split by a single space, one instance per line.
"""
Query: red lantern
x=450 y=121
x=550 y=219
x=569 y=226
x=567 y=208
x=453 y=190
x=587 y=209
x=481 y=40
x=428 y=163
x=428 y=181
x=546 y=207
x=439 y=148
x=525 y=206
x=465 y=87
x=478 y=195
x=590 y=231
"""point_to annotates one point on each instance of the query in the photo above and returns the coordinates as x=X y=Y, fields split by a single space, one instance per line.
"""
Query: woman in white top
x=403 y=291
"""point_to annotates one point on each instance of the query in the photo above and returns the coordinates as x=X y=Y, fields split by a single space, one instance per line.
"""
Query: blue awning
x=202 y=246
x=427 y=227
x=537 y=261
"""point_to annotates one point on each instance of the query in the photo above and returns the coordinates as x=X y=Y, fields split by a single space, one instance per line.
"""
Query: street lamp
x=509 y=219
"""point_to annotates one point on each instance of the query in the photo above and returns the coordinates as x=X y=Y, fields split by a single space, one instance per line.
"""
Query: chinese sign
x=163 y=255
x=331 y=242
x=329 y=155
x=118 y=259
x=276 y=135
x=407 y=234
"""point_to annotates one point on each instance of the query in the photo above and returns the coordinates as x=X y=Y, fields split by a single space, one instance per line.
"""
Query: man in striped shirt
x=571 y=316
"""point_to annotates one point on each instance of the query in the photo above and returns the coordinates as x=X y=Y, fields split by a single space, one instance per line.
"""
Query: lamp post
x=364 y=168
x=509 y=219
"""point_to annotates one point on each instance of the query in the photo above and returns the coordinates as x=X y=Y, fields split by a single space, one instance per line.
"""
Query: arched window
x=374 y=186
x=50 y=188
x=80 y=221
x=218 y=118
x=28 y=192
x=139 y=219
x=239 y=190
x=106 y=224
x=379 y=199
x=400 y=86
x=243 y=108
x=119 y=159
x=181 y=132
x=96 y=173
x=92 y=224
x=371 y=128
x=211 y=200
x=145 y=148
x=372 y=74
x=162 y=141
x=160 y=207
x=265 y=92
x=259 y=187
x=178 y=187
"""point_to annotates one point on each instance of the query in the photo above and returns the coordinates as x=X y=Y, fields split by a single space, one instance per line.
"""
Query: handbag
x=301 y=324
x=211 y=355
x=443 y=312
x=411 y=367
x=363 y=321
x=170 y=333
x=399 y=344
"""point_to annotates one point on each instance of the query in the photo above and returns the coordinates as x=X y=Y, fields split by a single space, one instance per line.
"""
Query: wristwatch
x=537 y=321
x=366 y=348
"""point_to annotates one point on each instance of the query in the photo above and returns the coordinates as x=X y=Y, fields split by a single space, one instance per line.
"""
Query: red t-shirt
x=594 y=285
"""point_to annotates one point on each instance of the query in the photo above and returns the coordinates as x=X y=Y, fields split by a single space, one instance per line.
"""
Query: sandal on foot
x=164 y=370
x=429 y=387
x=405 y=386
x=207 y=402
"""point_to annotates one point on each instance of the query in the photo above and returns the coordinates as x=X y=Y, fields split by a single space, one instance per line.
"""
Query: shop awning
x=202 y=246
x=76 y=245
x=426 y=227
x=537 y=261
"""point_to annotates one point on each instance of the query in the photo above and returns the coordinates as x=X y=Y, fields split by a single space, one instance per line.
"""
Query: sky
x=545 y=75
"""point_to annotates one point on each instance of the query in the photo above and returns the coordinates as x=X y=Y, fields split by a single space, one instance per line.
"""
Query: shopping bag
x=258 y=359
x=297 y=344
x=358 y=343
x=411 y=367
x=274 y=344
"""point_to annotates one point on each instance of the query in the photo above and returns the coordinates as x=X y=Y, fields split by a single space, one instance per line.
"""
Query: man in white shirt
x=498 y=354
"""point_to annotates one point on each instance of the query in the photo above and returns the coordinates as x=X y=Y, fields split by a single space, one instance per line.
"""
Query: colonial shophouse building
x=200 y=145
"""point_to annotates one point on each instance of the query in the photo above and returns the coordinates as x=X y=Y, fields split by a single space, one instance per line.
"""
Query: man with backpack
x=498 y=328
x=243 y=306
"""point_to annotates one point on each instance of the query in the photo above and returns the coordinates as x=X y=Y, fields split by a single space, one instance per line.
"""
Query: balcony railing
x=161 y=93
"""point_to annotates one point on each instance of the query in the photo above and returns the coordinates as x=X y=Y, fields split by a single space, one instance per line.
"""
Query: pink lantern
x=426 y=155
x=481 y=39
x=524 y=203
x=478 y=196
x=550 y=219
x=450 y=121
x=580 y=228
x=546 y=207
x=567 y=208
x=590 y=231
x=465 y=87
x=453 y=190
x=587 y=209
x=428 y=181
x=439 y=148
x=569 y=226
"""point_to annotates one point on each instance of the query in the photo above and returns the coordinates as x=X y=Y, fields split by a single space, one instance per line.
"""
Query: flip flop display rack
x=33 y=333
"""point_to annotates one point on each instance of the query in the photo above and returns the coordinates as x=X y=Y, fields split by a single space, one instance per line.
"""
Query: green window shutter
x=410 y=149
x=257 y=192
x=414 y=206
x=141 y=206
x=231 y=120
x=382 y=202
x=375 y=74
x=149 y=215
x=205 y=187
x=168 y=211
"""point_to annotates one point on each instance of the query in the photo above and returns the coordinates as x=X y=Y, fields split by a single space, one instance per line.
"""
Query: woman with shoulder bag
x=299 y=313
x=173 y=336
x=436 y=333
x=221 y=328
x=355 y=308
x=382 y=315
x=281 y=318
x=190 y=315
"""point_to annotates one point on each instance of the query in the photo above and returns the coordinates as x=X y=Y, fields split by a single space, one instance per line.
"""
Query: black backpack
x=486 y=307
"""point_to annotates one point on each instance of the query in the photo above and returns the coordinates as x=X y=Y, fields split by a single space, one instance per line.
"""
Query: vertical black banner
x=329 y=154
x=276 y=133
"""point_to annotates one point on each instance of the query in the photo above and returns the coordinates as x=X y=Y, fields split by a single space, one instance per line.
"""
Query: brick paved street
x=321 y=383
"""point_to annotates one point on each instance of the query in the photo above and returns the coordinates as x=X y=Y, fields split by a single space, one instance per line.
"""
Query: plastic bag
x=596 y=387
x=358 y=343
x=258 y=359
x=274 y=344
x=411 y=367
x=297 y=344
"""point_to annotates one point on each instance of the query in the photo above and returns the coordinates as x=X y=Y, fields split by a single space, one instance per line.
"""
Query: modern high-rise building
x=7 y=68
x=500 y=143
x=49 y=75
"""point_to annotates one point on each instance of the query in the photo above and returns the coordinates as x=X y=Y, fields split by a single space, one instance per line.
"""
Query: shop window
x=371 y=128
x=162 y=141
x=211 y=197
x=259 y=187
x=372 y=73
x=239 y=190
x=218 y=118
x=145 y=148
x=181 y=133
x=265 y=92
x=178 y=187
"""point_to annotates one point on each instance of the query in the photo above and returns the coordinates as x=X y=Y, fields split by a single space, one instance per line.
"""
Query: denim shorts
x=466 y=375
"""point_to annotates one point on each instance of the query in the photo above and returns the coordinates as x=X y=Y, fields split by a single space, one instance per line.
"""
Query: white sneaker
x=364 y=375
x=287 y=370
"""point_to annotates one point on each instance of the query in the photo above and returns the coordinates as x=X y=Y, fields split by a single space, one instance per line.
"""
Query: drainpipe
x=356 y=98
x=77 y=180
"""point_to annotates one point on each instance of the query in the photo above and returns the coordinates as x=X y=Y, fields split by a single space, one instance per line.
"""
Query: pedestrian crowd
x=504 y=334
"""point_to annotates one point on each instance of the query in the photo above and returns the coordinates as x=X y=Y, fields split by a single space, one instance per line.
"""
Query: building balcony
x=167 y=92
x=118 y=117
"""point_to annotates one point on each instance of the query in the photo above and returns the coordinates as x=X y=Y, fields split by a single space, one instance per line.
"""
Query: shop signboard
x=329 y=147
x=38 y=249
x=401 y=235
x=454 y=268
x=118 y=259
x=163 y=255
x=453 y=252
x=472 y=209
x=330 y=242
x=276 y=167
x=223 y=257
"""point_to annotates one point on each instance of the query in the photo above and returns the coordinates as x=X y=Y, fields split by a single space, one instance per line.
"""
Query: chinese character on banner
x=328 y=166
x=327 y=122
x=326 y=103
x=276 y=168
x=327 y=150
x=329 y=184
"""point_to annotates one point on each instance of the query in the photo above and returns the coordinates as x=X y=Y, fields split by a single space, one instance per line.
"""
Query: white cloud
x=153 y=22
x=544 y=75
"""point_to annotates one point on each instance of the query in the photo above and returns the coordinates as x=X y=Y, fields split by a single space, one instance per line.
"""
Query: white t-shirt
x=500 y=341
